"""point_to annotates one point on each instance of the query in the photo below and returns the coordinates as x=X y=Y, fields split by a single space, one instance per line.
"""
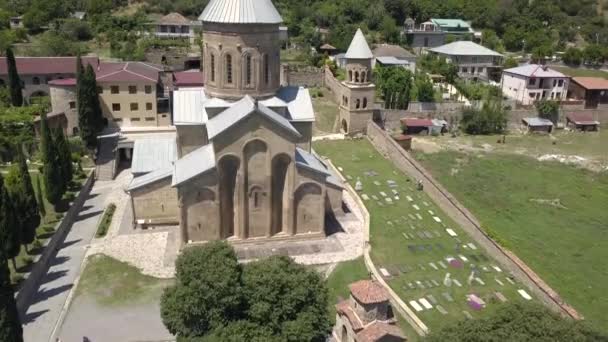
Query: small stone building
x=582 y=121
x=537 y=125
x=366 y=316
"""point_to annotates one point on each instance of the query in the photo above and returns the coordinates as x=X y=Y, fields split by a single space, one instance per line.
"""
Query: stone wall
x=301 y=76
x=333 y=84
x=465 y=219
x=30 y=284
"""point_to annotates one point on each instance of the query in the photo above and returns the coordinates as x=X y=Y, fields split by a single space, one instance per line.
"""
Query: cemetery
x=433 y=265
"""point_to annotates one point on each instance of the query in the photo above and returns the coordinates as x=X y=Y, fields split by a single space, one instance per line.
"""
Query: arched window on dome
x=228 y=69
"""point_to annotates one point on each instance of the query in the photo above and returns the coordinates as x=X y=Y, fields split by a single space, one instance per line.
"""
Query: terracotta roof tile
x=368 y=292
x=188 y=78
x=412 y=122
x=344 y=308
x=47 y=65
x=591 y=83
x=582 y=118
x=378 y=330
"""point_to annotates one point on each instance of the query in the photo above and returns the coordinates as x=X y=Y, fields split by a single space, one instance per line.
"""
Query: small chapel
x=244 y=168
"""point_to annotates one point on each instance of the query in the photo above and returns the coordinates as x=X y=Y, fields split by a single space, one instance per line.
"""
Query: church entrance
x=280 y=195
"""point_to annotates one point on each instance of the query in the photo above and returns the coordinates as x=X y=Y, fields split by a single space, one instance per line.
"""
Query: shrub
x=490 y=119
x=106 y=220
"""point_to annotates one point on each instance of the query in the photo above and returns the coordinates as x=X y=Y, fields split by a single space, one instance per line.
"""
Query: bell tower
x=358 y=91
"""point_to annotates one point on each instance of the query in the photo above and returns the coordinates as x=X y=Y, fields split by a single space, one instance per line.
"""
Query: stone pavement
x=47 y=304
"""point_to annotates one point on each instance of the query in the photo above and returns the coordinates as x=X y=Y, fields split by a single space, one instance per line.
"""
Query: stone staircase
x=106 y=158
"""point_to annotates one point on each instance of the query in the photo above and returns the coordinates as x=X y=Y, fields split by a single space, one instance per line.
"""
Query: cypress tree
x=51 y=169
x=40 y=199
x=14 y=82
x=10 y=237
x=64 y=155
x=10 y=325
x=19 y=185
x=87 y=101
x=95 y=104
x=82 y=103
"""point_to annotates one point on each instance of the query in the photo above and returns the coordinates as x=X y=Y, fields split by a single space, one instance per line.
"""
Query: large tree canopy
x=216 y=299
x=521 y=322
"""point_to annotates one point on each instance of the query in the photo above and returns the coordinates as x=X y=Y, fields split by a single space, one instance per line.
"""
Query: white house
x=529 y=83
x=474 y=61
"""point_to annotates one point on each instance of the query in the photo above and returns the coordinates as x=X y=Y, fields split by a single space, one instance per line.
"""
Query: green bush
x=106 y=220
x=16 y=278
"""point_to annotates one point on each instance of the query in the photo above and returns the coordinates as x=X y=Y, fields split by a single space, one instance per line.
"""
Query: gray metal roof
x=534 y=70
x=239 y=111
x=464 y=48
x=358 y=48
x=390 y=60
x=314 y=163
x=299 y=103
x=151 y=177
x=193 y=164
x=153 y=153
x=533 y=121
x=241 y=12
x=188 y=107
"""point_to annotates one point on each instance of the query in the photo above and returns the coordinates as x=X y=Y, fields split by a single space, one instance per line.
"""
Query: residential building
x=243 y=168
x=532 y=82
x=453 y=26
x=80 y=15
x=37 y=72
x=426 y=35
x=474 y=62
x=592 y=90
x=394 y=55
x=175 y=25
x=16 y=22
x=367 y=315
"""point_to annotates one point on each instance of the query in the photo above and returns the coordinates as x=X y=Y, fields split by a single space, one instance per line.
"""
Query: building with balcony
x=474 y=62
x=175 y=26
x=433 y=33
x=532 y=82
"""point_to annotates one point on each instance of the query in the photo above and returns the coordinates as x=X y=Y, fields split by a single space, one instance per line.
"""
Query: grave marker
x=414 y=304
x=432 y=299
x=524 y=294
x=441 y=310
x=500 y=297
x=447 y=297
x=425 y=303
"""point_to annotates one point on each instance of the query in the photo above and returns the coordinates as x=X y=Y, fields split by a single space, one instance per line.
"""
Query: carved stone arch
x=255 y=161
x=350 y=75
x=249 y=62
x=212 y=62
x=228 y=169
x=223 y=67
x=357 y=76
x=363 y=75
x=281 y=190
x=365 y=102
x=309 y=208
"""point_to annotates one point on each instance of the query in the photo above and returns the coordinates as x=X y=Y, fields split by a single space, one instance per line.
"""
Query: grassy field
x=411 y=245
x=326 y=111
x=580 y=72
x=112 y=282
x=552 y=216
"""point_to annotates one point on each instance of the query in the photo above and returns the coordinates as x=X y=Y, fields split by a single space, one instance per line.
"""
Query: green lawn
x=115 y=283
x=581 y=72
x=401 y=245
x=326 y=111
x=564 y=241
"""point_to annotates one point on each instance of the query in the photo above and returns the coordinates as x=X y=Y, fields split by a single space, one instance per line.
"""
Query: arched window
x=350 y=75
x=256 y=197
x=228 y=69
x=266 y=69
x=358 y=104
x=365 y=102
x=35 y=80
x=75 y=131
x=363 y=76
x=356 y=76
x=212 y=67
x=248 y=70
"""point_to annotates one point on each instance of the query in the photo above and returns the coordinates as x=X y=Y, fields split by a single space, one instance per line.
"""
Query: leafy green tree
x=491 y=118
x=395 y=85
x=40 y=199
x=288 y=298
x=207 y=293
x=594 y=54
x=240 y=331
x=10 y=235
x=64 y=155
x=491 y=41
x=14 y=82
x=19 y=185
x=51 y=169
x=510 y=62
x=56 y=43
x=424 y=88
x=525 y=322
x=548 y=109
x=10 y=325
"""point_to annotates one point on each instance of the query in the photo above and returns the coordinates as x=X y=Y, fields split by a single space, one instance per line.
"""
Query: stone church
x=242 y=167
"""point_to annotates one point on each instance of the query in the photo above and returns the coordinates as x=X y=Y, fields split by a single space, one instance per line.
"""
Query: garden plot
x=434 y=266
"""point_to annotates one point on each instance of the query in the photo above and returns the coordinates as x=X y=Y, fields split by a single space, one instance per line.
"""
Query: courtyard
x=415 y=246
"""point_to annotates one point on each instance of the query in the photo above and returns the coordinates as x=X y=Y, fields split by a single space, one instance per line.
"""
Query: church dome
x=241 y=12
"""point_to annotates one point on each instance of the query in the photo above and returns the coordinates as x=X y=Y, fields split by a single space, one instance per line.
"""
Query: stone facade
x=63 y=100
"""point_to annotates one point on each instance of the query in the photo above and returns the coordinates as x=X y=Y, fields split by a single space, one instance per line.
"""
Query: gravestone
x=447 y=280
x=358 y=185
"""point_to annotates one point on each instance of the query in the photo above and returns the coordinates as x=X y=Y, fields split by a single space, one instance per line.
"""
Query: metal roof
x=150 y=178
x=464 y=48
x=299 y=103
x=358 y=48
x=241 y=12
x=274 y=102
x=392 y=50
x=153 y=153
x=314 y=163
x=188 y=107
x=239 y=111
x=193 y=164
x=534 y=70
x=533 y=121
x=450 y=23
x=390 y=60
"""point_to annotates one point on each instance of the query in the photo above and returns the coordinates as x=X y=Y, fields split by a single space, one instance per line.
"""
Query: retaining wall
x=333 y=84
x=457 y=212
x=302 y=76
x=32 y=282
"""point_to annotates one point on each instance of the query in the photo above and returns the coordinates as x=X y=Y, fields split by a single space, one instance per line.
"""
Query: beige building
x=474 y=62
x=243 y=169
x=366 y=316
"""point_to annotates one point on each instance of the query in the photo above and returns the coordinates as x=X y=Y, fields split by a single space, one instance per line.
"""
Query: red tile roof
x=582 y=118
x=63 y=82
x=402 y=137
x=368 y=292
x=378 y=330
x=188 y=79
x=411 y=122
x=47 y=65
x=128 y=72
x=344 y=308
x=591 y=83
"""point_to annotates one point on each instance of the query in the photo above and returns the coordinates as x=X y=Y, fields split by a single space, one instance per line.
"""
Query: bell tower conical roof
x=358 y=48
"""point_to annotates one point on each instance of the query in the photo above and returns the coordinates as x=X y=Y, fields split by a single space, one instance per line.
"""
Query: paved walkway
x=47 y=304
